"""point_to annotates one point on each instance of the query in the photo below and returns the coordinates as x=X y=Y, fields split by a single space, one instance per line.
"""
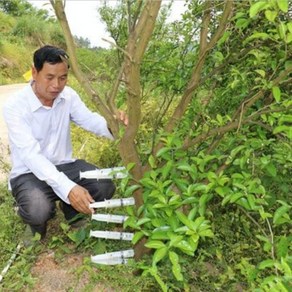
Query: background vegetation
x=217 y=193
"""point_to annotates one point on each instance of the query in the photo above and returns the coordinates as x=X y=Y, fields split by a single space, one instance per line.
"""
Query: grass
x=64 y=244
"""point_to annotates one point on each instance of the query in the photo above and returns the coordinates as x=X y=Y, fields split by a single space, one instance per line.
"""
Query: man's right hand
x=80 y=199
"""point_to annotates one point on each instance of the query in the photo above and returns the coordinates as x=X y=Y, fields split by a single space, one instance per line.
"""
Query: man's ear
x=33 y=72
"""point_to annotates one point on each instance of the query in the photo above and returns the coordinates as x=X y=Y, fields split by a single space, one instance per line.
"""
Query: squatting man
x=43 y=170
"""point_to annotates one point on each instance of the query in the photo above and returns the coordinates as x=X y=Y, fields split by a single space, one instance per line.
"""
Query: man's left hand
x=122 y=117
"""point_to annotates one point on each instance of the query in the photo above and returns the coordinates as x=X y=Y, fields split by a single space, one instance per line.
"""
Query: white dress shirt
x=39 y=136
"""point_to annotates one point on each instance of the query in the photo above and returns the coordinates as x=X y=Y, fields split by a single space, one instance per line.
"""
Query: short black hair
x=49 y=54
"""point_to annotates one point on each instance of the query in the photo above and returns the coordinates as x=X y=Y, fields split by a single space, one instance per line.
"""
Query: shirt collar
x=35 y=103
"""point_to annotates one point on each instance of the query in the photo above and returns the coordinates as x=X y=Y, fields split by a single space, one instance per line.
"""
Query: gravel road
x=5 y=92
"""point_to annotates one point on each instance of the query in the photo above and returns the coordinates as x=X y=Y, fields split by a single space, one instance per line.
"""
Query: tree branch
x=227 y=128
x=59 y=8
x=136 y=46
x=197 y=72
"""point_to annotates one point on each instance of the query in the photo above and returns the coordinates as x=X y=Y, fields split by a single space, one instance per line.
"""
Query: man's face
x=50 y=81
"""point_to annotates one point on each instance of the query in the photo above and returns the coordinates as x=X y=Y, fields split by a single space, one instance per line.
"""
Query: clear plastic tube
x=112 y=235
x=109 y=218
x=129 y=253
x=115 y=261
x=105 y=173
x=113 y=203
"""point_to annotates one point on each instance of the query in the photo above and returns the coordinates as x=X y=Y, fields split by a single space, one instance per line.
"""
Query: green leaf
x=198 y=222
x=265 y=215
x=239 y=185
x=175 y=239
x=130 y=166
x=237 y=176
x=77 y=236
x=289 y=38
x=242 y=23
x=159 y=254
x=130 y=190
x=166 y=169
x=200 y=187
x=283 y=5
x=285 y=129
x=279 y=213
x=258 y=35
x=183 y=229
x=282 y=30
x=159 y=206
x=193 y=213
x=251 y=201
x=226 y=199
x=176 y=269
x=256 y=8
x=266 y=264
x=237 y=150
x=162 y=151
x=244 y=203
x=271 y=169
x=261 y=72
x=276 y=93
x=184 y=219
x=271 y=15
x=219 y=119
x=190 y=200
x=282 y=246
x=162 y=235
x=143 y=221
x=286 y=268
x=223 y=38
x=148 y=182
x=262 y=238
x=185 y=167
x=204 y=199
x=185 y=247
x=137 y=236
x=158 y=279
x=206 y=233
x=220 y=191
x=151 y=161
x=131 y=222
x=174 y=200
x=173 y=221
x=155 y=244
x=289 y=26
x=160 y=227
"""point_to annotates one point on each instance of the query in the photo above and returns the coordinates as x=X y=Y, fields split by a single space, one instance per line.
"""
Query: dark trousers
x=36 y=200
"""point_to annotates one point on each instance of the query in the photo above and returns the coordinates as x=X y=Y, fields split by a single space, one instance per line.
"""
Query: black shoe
x=78 y=223
x=27 y=237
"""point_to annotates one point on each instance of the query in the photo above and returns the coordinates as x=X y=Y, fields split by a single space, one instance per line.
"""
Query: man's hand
x=80 y=199
x=122 y=117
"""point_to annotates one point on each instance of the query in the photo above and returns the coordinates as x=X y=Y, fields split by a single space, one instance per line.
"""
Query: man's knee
x=37 y=210
x=105 y=190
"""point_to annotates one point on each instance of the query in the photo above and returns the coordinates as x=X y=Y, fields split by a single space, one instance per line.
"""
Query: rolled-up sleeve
x=90 y=121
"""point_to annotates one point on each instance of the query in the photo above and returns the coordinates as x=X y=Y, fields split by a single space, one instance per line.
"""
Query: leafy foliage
x=216 y=188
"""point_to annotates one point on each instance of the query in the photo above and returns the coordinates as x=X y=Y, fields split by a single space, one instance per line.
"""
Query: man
x=38 y=121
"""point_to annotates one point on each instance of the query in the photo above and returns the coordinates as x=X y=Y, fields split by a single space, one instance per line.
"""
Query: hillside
x=23 y=29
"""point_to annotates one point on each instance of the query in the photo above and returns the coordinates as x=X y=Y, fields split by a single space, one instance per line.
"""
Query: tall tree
x=224 y=50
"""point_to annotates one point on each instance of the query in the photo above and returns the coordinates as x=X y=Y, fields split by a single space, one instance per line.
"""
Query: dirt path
x=5 y=92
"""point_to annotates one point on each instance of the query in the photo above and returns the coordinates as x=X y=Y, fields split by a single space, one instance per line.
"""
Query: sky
x=84 y=20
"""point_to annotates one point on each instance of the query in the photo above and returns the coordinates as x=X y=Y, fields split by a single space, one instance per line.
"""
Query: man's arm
x=27 y=149
x=92 y=121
